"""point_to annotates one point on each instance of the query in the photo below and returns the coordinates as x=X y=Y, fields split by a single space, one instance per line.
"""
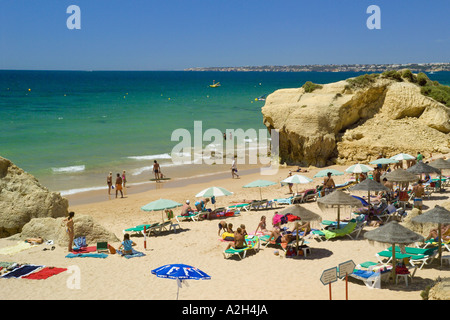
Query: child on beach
x=222 y=227
x=244 y=232
x=262 y=226
x=127 y=245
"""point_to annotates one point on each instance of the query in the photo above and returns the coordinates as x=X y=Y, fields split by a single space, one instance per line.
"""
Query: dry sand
x=260 y=276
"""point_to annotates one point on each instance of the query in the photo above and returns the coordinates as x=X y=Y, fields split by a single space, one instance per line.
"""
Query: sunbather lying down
x=289 y=236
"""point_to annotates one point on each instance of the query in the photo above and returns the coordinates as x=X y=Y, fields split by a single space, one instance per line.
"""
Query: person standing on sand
x=109 y=182
x=234 y=168
x=68 y=222
x=156 y=170
x=119 y=185
x=124 y=178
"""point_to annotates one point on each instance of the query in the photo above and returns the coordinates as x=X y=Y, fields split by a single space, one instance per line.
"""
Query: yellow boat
x=215 y=85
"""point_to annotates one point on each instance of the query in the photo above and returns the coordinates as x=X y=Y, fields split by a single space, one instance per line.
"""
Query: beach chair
x=157 y=229
x=434 y=243
x=414 y=259
x=245 y=206
x=257 y=204
x=371 y=279
x=429 y=254
x=253 y=243
x=284 y=200
x=193 y=216
x=140 y=228
x=102 y=247
x=325 y=235
x=265 y=242
x=391 y=212
x=307 y=195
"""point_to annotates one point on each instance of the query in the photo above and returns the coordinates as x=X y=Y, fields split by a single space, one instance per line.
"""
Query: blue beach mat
x=21 y=271
x=135 y=254
x=87 y=255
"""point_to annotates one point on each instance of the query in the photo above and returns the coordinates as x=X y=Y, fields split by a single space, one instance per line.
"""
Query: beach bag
x=80 y=242
x=112 y=250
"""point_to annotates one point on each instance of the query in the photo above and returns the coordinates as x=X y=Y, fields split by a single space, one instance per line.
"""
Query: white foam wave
x=74 y=191
x=70 y=169
x=152 y=157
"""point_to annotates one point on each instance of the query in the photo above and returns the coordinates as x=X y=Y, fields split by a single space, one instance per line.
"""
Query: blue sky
x=178 y=34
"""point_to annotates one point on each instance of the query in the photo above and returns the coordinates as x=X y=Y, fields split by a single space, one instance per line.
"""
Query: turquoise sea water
x=69 y=129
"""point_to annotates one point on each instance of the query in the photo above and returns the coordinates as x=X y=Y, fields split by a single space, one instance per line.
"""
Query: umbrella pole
x=394 y=262
x=296 y=229
x=440 y=242
x=338 y=216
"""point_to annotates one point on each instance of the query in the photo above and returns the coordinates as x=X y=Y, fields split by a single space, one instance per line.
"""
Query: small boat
x=262 y=98
x=215 y=84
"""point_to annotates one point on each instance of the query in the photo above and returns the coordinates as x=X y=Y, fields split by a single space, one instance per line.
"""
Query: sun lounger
x=371 y=279
x=157 y=229
x=253 y=243
x=284 y=200
x=414 y=259
x=435 y=243
x=140 y=228
x=245 y=206
x=265 y=242
x=193 y=216
x=346 y=230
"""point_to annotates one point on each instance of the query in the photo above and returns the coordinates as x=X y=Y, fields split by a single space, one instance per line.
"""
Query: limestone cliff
x=340 y=123
x=23 y=198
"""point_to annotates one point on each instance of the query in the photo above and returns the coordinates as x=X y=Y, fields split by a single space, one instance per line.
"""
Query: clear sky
x=178 y=34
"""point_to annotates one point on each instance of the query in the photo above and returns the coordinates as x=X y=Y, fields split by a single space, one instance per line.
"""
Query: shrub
x=392 y=74
x=310 y=87
x=362 y=81
x=407 y=74
x=422 y=79
x=439 y=92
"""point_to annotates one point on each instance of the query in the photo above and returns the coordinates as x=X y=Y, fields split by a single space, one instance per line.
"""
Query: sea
x=69 y=129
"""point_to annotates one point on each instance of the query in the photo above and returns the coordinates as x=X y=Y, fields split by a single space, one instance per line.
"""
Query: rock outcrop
x=339 y=123
x=22 y=198
x=53 y=229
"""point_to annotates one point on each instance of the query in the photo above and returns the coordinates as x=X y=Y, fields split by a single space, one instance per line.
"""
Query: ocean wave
x=151 y=157
x=70 y=169
x=78 y=190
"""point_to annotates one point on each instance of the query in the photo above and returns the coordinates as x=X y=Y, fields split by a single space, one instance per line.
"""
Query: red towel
x=85 y=250
x=44 y=273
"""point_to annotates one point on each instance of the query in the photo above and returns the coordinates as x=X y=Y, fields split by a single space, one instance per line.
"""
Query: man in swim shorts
x=119 y=185
x=156 y=170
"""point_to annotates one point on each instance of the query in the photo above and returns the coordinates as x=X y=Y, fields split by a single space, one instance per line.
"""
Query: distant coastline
x=414 y=67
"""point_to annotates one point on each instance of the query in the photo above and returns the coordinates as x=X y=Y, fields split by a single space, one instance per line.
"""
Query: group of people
x=277 y=234
x=119 y=185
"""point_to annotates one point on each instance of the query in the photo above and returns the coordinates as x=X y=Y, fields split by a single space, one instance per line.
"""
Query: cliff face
x=23 y=198
x=340 y=124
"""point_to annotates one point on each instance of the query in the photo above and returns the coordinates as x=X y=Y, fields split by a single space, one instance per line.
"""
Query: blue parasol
x=180 y=272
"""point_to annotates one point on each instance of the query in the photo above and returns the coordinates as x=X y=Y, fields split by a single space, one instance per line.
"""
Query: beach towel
x=84 y=250
x=134 y=254
x=20 y=246
x=44 y=273
x=87 y=255
x=21 y=271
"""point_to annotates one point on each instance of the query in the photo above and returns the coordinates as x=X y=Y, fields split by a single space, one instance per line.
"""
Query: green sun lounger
x=140 y=228
x=252 y=243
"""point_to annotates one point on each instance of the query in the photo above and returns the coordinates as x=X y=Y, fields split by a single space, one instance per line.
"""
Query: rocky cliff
x=348 y=122
x=22 y=198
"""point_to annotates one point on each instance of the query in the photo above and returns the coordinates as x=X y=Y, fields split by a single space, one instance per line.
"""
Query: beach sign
x=328 y=277
x=346 y=268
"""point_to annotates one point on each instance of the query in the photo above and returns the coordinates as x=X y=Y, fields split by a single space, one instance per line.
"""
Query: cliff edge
x=355 y=120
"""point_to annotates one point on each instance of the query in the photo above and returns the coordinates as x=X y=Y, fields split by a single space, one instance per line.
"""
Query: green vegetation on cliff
x=310 y=86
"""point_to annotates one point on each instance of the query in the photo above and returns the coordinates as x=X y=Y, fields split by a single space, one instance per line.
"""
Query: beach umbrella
x=181 y=273
x=440 y=164
x=369 y=185
x=338 y=199
x=214 y=192
x=438 y=215
x=401 y=175
x=324 y=173
x=304 y=214
x=160 y=205
x=393 y=233
x=420 y=168
x=358 y=168
x=383 y=161
x=259 y=184
x=403 y=156
x=297 y=179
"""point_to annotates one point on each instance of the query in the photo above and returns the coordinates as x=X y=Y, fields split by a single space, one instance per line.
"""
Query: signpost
x=345 y=269
x=329 y=276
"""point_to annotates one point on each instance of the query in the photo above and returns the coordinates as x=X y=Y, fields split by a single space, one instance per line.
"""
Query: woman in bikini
x=70 y=229
x=262 y=226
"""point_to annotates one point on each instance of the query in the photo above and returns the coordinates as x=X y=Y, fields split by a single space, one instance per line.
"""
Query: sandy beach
x=260 y=276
